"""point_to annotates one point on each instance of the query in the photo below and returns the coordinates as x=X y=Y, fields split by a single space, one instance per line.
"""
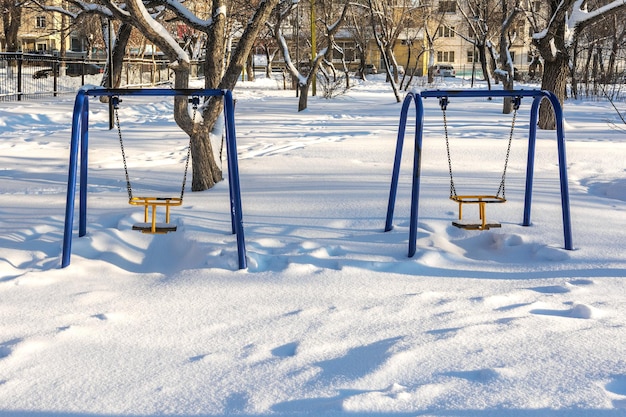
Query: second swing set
x=481 y=200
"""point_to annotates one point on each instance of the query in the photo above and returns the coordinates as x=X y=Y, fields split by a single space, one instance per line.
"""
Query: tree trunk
x=573 y=69
x=362 y=70
x=507 y=104
x=385 y=59
x=119 y=50
x=586 y=72
x=250 y=66
x=11 y=20
x=556 y=55
x=482 y=54
x=555 y=80
x=304 y=94
x=269 y=58
x=205 y=171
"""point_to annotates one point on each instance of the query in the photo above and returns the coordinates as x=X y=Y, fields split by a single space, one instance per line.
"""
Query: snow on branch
x=184 y=14
x=154 y=31
x=580 y=16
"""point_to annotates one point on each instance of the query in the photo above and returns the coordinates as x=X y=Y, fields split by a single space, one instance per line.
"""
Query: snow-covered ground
x=331 y=318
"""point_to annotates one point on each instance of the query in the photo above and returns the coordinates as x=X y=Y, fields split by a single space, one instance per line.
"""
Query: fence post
x=55 y=74
x=19 y=77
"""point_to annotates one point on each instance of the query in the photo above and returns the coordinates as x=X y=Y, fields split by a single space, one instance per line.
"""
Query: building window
x=445 y=56
x=520 y=29
x=40 y=22
x=76 y=44
x=348 y=49
x=447 y=7
x=446 y=31
x=472 y=56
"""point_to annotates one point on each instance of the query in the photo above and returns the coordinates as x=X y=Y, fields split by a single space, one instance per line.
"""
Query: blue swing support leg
x=538 y=96
x=79 y=149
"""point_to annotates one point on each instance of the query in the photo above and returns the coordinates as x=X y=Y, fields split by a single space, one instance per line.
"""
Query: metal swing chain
x=115 y=101
x=443 y=102
x=195 y=101
x=129 y=188
x=501 y=189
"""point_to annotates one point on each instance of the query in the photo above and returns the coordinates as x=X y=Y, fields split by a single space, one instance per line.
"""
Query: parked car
x=400 y=69
x=44 y=73
x=371 y=69
x=443 y=70
x=78 y=69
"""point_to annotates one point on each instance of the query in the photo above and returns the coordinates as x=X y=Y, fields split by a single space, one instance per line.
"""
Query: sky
x=331 y=317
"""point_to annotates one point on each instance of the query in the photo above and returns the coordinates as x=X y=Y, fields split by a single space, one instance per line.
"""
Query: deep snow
x=331 y=318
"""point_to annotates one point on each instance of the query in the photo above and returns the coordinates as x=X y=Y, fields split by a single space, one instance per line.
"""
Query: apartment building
x=43 y=32
x=453 y=44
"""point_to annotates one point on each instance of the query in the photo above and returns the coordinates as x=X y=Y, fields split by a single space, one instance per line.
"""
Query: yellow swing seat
x=150 y=204
x=482 y=201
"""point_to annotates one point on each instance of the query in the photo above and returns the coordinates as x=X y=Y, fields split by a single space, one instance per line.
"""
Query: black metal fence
x=26 y=76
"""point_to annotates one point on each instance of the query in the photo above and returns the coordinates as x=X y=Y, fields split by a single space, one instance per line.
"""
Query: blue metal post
x=84 y=168
x=560 y=140
x=397 y=161
x=229 y=162
x=71 y=180
x=530 y=162
x=417 y=155
x=417 y=170
x=233 y=177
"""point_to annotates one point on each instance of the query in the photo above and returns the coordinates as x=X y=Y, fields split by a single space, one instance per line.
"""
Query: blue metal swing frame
x=79 y=152
x=537 y=95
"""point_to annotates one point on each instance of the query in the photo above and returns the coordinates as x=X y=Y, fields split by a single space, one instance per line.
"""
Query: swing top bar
x=483 y=93
x=97 y=92
x=444 y=101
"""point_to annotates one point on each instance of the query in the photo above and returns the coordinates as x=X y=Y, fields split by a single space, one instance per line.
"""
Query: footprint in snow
x=616 y=389
x=578 y=311
x=6 y=348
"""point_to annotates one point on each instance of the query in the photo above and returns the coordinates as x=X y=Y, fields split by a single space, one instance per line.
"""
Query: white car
x=443 y=70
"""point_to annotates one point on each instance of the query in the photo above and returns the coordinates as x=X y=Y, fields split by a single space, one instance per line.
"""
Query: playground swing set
x=79 y=156
x=150 y=204
x=483 y=199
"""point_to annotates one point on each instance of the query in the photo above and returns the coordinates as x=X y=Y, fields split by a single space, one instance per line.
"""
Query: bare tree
x=556 y=28
x=334 y=13
x=595 y=53
x=389 y=20
x=483 y=19
x=506 y=70
x=361 y=32
x=219 y=73
x=11 y=21
x=431 y=23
